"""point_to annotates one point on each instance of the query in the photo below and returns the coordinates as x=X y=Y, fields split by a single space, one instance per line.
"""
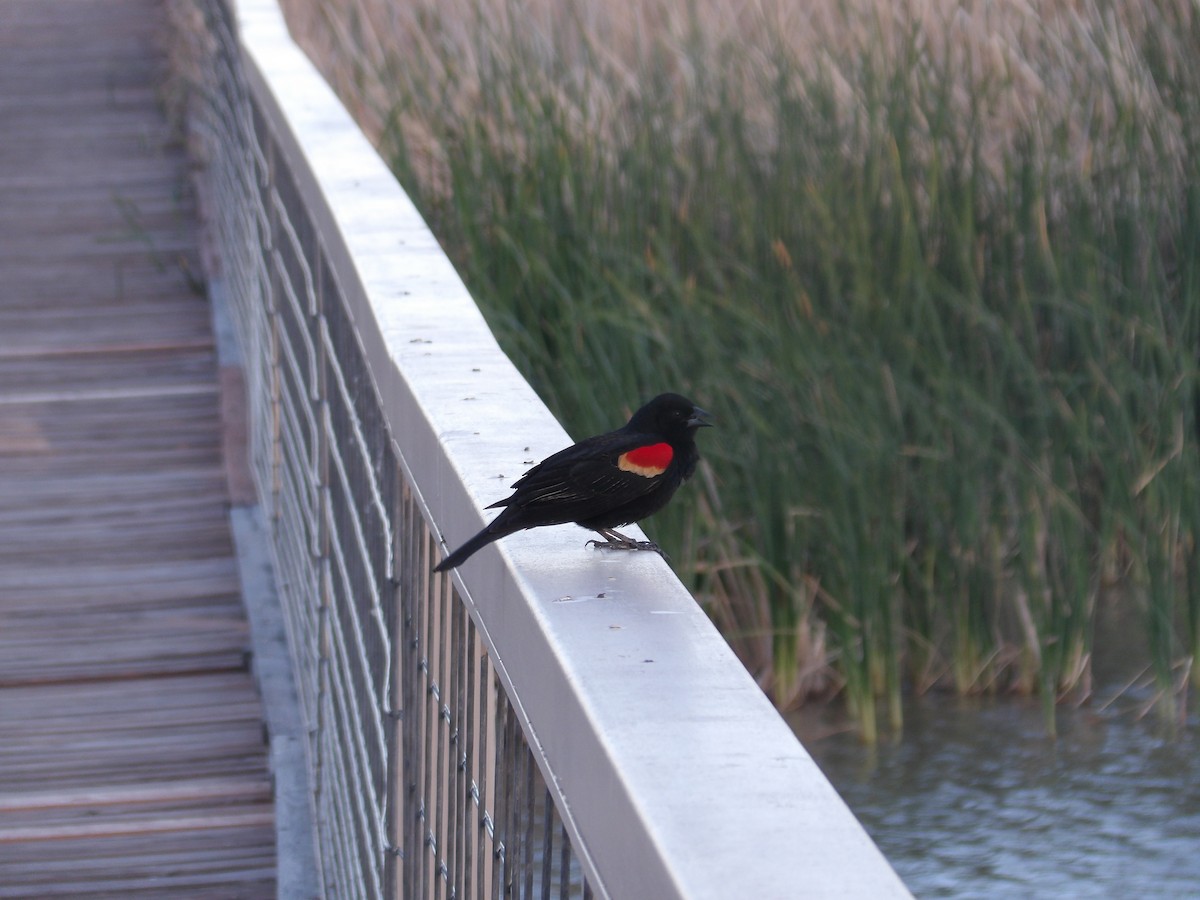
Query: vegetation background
x=935 y=267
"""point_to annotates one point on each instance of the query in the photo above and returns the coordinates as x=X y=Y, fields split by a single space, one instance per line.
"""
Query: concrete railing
x=549 y=721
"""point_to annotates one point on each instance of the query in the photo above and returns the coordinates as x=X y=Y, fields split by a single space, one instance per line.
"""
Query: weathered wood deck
x=132 y=759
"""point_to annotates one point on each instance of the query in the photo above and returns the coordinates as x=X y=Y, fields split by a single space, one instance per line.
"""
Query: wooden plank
x=145 y=793
x=132 y=759
x=139 y=825
x=226 y=862
x=234 y=436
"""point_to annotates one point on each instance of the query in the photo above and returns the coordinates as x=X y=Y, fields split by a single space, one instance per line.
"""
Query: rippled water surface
x=976 y=801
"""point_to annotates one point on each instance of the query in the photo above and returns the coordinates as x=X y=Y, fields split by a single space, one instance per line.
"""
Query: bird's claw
x=627 y=544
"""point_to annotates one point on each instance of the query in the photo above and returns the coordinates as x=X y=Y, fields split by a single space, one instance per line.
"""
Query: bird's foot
x=614 y=540
x=624 y=544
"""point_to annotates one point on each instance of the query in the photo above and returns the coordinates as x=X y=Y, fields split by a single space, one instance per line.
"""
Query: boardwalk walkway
x=132 y=759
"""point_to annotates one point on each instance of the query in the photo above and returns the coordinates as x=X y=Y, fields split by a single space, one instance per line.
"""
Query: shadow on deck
x=132 y=757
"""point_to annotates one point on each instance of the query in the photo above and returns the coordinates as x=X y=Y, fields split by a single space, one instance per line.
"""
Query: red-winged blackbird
x=603 y=481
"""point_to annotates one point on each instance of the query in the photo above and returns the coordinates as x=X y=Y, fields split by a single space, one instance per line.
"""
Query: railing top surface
x=679 y=777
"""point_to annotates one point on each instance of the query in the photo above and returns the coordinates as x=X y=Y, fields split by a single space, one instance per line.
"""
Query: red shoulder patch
x=649 y=461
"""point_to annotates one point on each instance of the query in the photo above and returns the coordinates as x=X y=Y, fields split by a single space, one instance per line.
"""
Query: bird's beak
x=699 y=418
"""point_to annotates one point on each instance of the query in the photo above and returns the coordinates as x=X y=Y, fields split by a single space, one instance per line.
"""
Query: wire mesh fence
x=423 y=781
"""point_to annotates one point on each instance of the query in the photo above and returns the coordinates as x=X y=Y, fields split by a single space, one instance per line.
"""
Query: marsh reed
x=935 y=266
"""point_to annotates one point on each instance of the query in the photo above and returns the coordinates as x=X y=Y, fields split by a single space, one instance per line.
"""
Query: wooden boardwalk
x=132 y=759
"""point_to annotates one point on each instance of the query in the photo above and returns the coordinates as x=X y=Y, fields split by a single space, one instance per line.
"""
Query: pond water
x=977 y=801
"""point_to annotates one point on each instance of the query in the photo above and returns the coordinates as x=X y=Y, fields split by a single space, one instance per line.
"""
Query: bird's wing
x=616 y=467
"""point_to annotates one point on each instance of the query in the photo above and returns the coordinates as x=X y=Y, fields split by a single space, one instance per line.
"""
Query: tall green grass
x=935 y=274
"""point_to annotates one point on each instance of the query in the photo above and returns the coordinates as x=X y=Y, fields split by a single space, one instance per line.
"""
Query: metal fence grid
x=423 y=782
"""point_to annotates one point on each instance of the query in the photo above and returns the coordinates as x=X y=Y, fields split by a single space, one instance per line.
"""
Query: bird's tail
x=481 y=540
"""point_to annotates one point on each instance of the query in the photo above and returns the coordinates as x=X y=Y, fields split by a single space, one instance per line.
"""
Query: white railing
x=551 y=721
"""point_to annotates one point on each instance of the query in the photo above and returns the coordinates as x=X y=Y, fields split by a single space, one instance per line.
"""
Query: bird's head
x=670 y=415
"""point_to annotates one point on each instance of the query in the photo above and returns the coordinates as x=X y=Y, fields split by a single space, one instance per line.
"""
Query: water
x=976 y=800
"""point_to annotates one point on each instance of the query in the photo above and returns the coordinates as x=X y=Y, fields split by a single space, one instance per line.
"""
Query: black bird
x=603 y=481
